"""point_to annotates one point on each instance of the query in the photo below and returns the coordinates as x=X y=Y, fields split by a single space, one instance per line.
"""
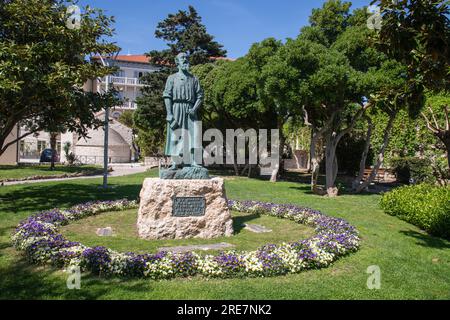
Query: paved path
x=119 y=171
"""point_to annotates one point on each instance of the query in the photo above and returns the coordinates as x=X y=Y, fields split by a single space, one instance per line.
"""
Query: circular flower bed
x=39 y=239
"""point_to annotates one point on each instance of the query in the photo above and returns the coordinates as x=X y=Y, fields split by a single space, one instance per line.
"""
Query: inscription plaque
x=188 y=206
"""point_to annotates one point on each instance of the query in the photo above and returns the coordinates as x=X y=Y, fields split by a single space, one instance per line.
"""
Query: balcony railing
x=128 y=105
x=125 y=81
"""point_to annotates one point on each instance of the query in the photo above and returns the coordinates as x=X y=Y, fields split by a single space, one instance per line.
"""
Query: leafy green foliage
x=410 y=136
x=412 y=169
x=332 y=18
x=126 y=118
x=150 y=115
x=425 y=206
x=417 y=33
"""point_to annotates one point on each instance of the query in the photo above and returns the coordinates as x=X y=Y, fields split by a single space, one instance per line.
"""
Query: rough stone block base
x=156 y=220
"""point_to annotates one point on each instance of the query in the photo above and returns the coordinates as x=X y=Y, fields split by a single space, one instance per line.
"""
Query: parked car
x=46 y=156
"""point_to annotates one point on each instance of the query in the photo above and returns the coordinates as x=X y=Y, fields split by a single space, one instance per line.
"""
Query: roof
x=139 y=58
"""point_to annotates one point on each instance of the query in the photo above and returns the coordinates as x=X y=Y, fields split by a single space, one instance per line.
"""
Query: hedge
x=426 y=206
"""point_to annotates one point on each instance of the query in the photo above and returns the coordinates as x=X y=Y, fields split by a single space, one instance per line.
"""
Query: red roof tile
x=140 y=58
x=134 y=58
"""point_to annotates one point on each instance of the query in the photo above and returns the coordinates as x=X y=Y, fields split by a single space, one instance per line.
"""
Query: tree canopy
x=185 y=32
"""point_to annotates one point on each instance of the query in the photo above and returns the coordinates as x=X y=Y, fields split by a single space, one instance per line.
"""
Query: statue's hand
x=192 y=111
x=169 y=117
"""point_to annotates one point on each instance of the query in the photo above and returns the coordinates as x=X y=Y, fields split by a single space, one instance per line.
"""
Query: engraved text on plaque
x=188 y=206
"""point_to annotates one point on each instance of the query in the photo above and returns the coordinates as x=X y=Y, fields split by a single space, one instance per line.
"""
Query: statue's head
x=182 y=61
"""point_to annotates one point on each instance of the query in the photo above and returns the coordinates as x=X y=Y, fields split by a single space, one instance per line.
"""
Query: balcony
x=125 y=81
x=128 y=105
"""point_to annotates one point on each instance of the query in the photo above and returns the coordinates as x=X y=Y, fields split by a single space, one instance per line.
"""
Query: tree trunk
x=333 y=138
x=448 y=156
x=331 y=165
x=314 y=160
x=53 y=147
x=362 y=164
x=380 y=157
x=308 y=164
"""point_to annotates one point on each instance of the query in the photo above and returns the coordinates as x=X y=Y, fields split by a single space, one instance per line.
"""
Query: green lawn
x=22 y=171
x=413 y=264
x=125 y=237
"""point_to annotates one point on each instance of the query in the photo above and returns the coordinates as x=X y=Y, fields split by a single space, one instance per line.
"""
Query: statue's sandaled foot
x=195 y=165
x=173 y=167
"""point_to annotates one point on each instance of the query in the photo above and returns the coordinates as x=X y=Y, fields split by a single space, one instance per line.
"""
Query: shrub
x=413 y=169
x=70 y=156
x=426 y=206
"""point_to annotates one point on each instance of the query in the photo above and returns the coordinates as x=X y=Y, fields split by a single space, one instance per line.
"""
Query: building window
x=139 y=74
x=22 y=147
x=41 y=145
x=119 y=73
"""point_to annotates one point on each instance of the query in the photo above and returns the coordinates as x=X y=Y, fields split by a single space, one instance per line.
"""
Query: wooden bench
x=381 y=174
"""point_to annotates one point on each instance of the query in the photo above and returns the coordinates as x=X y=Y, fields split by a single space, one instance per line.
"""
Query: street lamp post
x=105 y=145
x=106 y=126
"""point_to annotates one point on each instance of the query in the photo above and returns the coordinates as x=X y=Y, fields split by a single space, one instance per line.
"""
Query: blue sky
x=236 y=24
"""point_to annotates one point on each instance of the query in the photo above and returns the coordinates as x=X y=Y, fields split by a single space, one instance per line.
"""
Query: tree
x=43 y=67
x=417 y=34
x=259 y=60
x=150 y=115
x=231 y=99
x=388 y=98
x=183 y=32
x=332 y=18
x=373 y=81
x=126 y=118
x=287 y=82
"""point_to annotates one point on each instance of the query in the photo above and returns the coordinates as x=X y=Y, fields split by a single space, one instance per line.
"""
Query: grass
x=15 y=172
x=125 y=237
x=414 y=265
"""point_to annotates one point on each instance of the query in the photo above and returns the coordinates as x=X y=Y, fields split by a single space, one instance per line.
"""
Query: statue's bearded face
x=182 y=62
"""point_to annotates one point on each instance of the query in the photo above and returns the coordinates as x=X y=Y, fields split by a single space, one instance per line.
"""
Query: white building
x=127 y=80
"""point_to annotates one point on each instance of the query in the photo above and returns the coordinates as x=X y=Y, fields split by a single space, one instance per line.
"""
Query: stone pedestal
x=180 y=209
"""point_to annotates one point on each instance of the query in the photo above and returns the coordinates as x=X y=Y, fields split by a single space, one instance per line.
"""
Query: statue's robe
x=184 y=91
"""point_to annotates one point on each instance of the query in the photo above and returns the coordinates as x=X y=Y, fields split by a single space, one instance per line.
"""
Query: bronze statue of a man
x=183 y=97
